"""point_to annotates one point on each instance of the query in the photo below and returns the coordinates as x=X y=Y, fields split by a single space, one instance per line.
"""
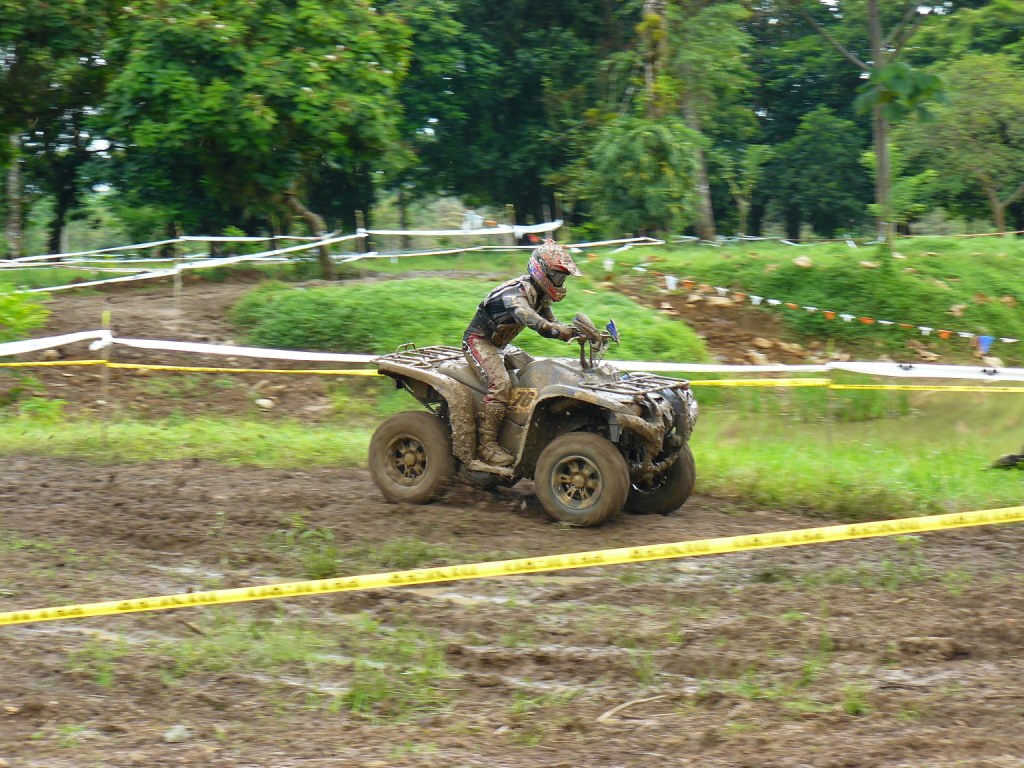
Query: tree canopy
x=661 y=116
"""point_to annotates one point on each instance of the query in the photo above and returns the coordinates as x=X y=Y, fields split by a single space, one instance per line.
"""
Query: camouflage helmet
x=549 y=265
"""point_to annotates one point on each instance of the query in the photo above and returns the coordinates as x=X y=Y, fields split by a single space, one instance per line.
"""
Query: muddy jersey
x=508 y=309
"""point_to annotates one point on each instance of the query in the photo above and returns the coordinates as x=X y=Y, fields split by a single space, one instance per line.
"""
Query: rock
x=941 y=284
x=51 y=354
x=981 y=298
x=176 y=734
x=143 y=372
x=803 y=261
x=910 y=270
x=606 y=284
x=957 y=310
x=771 y=267
x=927 y=355
x=840 y=357
x=4 y=763
x=993 y=362
x=665 y=305
x=757 y=358
x=1008 y=301
x=718 y=301
x=761 y=343
x=930 y=253
x=870 y=264
x=897 y=255
x=265 y=403
x=693 y=298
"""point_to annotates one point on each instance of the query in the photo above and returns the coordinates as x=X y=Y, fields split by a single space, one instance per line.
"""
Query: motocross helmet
x=549 y=265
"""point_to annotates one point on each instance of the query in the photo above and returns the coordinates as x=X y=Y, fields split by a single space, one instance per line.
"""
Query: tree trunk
x=12 y=227
x=743 y=211
x=62 y=205
x=317 y=227
x=880 y=56
x=705 y=213
x=403 y=220
x=883 y=175
x=793 y=224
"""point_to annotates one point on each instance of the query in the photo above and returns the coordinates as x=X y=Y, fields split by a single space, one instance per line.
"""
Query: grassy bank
x=926 y=462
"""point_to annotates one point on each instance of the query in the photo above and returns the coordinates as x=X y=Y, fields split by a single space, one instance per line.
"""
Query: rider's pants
x=490 y=361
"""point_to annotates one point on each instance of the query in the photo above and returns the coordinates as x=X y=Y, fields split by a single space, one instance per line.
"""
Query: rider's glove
x=558 y=331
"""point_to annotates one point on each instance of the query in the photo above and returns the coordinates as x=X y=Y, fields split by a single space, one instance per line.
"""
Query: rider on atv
x=500 y=317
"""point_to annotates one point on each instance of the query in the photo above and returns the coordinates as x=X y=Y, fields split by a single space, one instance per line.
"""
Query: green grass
x=378 y=317
x=981 y=274
x=286 y=444
x=929 y=460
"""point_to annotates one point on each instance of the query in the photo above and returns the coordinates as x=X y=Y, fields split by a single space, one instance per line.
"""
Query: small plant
x=319 y=554
x=855 y=700
x=644 y=667
x=397 y=673
x=43 y=409
x=98 y=659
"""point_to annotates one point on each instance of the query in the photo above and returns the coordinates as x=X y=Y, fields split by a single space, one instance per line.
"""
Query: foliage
x=19 y=314
x=219 y=108
x=640 y=175
x=912 y=195
x=899 y=91
x=375 y=318
x=978 y=137
x=819 y=171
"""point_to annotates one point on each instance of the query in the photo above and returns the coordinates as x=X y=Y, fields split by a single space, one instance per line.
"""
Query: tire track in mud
x=884 y=652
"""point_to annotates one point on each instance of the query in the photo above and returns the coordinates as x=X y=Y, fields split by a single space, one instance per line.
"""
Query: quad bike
x=593 y=439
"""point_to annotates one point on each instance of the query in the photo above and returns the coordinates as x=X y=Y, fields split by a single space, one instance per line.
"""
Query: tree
x=820 y=174
x=893 y=88
x=223 y=110
x=977 y=138
x=743 y=174
x=709 y=72
x=43 y=49
x=640 y=175
x=496 y=117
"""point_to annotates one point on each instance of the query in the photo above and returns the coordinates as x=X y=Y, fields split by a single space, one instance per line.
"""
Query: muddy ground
x=890 y=652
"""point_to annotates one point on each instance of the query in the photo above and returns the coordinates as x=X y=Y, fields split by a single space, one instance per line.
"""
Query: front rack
x=638 y=384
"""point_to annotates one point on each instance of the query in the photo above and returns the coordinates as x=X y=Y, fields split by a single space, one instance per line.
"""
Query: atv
x=592 y=438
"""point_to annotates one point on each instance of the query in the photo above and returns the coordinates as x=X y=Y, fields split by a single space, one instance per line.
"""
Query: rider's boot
x=490 y=452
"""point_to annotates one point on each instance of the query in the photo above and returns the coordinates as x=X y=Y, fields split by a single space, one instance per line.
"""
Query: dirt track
x=869 y=653
x=895 y=652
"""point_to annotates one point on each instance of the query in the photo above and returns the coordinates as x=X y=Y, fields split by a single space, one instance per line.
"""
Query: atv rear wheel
x=411 y=457
x=581 y=479
x=669 y=491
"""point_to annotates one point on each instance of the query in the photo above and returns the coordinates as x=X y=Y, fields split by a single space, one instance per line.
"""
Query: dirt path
x=881 y=653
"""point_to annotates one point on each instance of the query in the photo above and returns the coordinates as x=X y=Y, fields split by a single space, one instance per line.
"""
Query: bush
x=19 y=314
x=374 y=318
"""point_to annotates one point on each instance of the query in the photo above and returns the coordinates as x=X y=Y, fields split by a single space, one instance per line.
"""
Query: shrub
x=374 y=318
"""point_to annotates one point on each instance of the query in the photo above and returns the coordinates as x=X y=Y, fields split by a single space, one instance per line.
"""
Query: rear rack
x=424 y=357
x=638 y=384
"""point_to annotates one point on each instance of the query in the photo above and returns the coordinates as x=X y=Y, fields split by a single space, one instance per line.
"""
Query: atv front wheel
x=581 y=479
x=668 y=491
x=411 y=457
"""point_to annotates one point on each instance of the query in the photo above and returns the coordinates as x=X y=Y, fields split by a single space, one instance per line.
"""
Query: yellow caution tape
x=525 y=565
x=761 y=383
x=53 y=363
